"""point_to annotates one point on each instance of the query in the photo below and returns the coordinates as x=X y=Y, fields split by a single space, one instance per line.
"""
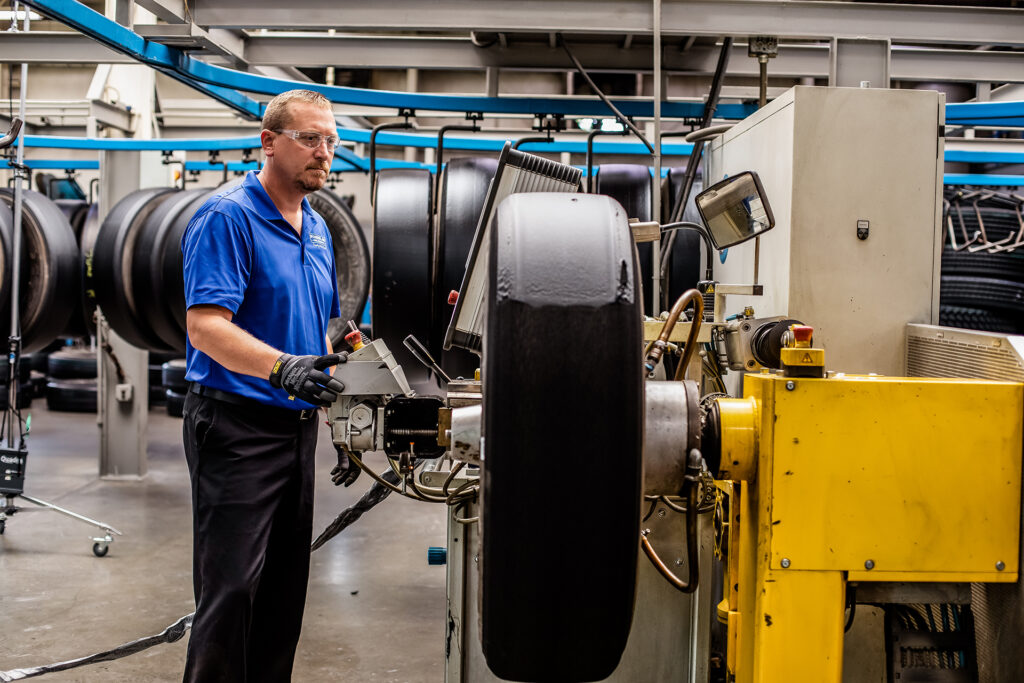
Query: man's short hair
x=276 y=116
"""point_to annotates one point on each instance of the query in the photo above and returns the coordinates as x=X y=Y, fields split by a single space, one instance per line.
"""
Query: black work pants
x=252 y=511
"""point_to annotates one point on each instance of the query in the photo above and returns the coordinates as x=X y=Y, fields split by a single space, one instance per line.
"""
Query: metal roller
x=351 y=259
x=463 y=192
x=401 y=262
x=562 y=462
x=631 y=186
x=148 y=275
x=49 y=270
x=111 y=278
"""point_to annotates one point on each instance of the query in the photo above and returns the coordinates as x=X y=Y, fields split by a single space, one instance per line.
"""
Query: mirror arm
x=702 y=231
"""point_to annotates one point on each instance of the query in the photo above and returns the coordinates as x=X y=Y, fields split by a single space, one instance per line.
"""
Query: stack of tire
x=71 y=384
x=50 y=302
x=174 y=385
x=134 y=271
x=982 y=286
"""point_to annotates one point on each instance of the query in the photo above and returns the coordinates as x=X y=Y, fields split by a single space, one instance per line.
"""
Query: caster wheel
x=100 y=549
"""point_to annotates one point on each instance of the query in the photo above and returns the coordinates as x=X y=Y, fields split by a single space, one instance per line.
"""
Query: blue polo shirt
x=242 y=255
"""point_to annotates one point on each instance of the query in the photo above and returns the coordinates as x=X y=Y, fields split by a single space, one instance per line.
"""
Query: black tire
x=463 y=191
x=631 y=186
x=100 y=549
x=147 y=281
x=49 y=287
x=157 y=396
x=173 y=375
x=684 y=269
x=175 y=403
x=401 y=263
x=985 y=293
x=980 y=319
x=75 y=211
x=112 y=258
x=71 y=395
x=24 y=370
x=172 y=265
x=72 y=364
x=156 y=374
x=542 y=618
x=87 y=244
x=26 y=393
x=351 y=260
x=1001 y=266
x=37 y=383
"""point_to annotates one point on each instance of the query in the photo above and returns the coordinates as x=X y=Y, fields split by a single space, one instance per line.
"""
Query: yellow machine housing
x=859 y=478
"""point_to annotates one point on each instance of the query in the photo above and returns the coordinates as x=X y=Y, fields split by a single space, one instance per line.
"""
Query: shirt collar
x=265 y=205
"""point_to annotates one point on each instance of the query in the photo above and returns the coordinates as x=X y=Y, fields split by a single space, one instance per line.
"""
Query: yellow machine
x=832 y=479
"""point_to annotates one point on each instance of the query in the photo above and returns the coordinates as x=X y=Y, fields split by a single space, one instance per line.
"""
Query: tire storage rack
x=131 y=266
x=982 y=284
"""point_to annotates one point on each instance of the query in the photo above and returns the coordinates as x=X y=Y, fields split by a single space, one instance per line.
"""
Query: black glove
x=346 y=471
x=303 y=377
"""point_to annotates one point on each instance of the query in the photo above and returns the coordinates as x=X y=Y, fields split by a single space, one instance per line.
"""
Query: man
x=260 y=285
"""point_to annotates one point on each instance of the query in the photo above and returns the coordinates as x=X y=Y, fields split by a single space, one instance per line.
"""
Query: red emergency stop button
x=453 y=297
x=802 y=333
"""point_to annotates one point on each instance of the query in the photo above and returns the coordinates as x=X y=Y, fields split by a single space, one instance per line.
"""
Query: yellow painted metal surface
x=918 y=478
x=738 y=419
x=903 y=475
x=803 y=356
x=799 y=627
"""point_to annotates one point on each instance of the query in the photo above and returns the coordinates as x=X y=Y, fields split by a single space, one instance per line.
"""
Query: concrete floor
x=375 y=610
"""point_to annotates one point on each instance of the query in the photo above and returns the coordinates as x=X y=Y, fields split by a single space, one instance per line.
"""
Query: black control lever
x=419 y=351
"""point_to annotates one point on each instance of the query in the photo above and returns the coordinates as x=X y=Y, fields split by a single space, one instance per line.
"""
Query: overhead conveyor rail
x=349 y=161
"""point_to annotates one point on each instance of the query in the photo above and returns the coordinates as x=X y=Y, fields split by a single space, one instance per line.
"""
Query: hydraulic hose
x=657 y=348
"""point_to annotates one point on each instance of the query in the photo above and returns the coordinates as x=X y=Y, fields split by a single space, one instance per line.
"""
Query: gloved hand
x=304 y=378
x=346 y=471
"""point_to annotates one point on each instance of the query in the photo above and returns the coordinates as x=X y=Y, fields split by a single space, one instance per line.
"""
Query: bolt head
x=1000 y=566
x=679 y=562
x=661 y=512
x=790 y=385
x=869 y=564
x=785 y=563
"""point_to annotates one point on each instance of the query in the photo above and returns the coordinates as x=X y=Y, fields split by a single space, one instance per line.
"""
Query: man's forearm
x=234 y=348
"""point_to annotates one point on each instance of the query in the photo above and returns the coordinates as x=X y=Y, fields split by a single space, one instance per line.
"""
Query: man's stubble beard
x=311 y=186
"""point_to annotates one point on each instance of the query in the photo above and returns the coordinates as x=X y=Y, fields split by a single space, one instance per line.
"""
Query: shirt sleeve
x=218 y=255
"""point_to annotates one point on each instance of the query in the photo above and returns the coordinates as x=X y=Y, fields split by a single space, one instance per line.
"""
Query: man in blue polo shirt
x=260 y=286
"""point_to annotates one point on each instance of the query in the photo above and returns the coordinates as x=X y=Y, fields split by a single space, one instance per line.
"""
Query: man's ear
x=267 y=142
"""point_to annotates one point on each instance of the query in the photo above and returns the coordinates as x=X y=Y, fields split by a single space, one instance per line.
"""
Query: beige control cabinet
x=854 y=178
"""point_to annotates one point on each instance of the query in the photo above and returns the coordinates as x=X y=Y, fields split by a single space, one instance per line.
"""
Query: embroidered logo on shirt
x=317 y=240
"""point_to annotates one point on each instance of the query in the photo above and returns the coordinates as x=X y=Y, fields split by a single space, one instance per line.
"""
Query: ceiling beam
x=56 y=47
x=782 y=18
x=442 y=53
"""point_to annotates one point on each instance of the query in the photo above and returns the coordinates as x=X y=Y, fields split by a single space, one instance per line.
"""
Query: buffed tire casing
x=351 y=260
x=631 y=186
x=401 y=263
x=112 y=274
x=50 y=285
x=557 y=606
x=463 y=192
